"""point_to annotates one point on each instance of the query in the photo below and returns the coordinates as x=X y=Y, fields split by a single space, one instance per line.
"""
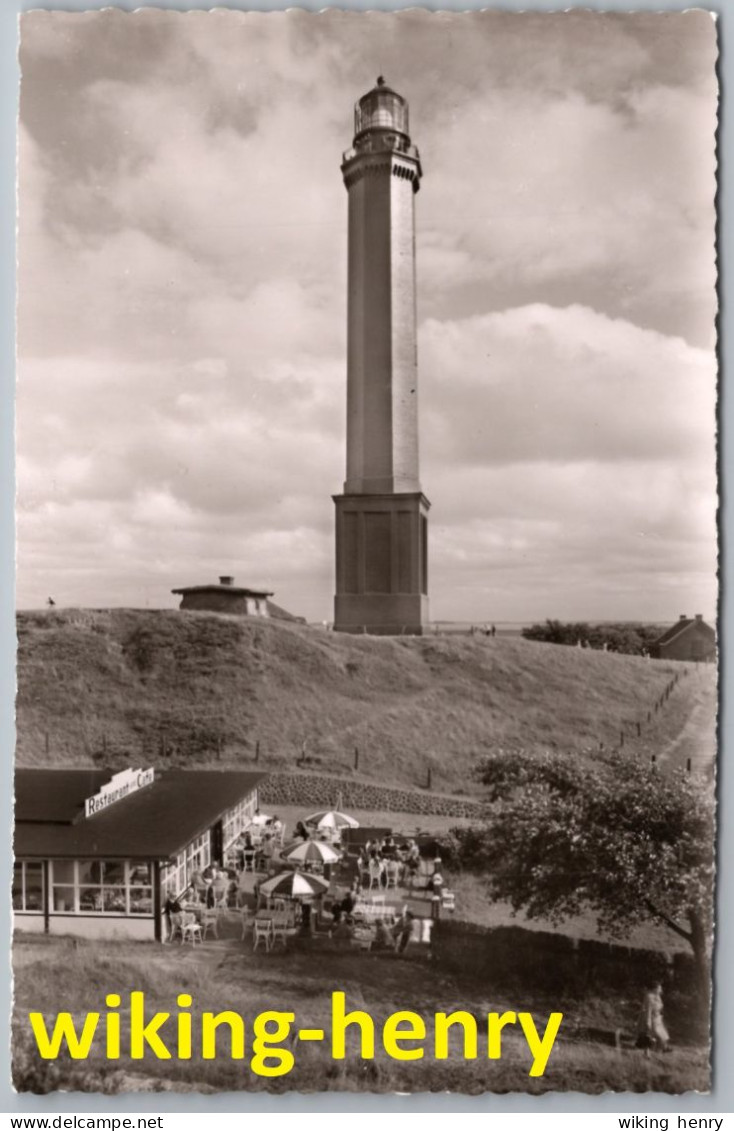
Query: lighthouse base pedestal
x=381 y=560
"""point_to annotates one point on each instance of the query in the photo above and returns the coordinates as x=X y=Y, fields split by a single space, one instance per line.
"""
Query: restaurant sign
x=119 y=786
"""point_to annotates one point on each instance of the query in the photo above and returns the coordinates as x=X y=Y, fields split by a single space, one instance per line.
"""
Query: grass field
x=121 y=686
x=56 y=974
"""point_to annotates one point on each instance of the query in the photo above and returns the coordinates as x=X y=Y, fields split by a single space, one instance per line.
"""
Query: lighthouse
x=382 y=516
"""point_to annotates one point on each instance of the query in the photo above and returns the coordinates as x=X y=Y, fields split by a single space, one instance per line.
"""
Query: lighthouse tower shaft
x=381 y=519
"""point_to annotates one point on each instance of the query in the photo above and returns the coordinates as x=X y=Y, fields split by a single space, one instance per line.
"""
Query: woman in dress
x=651 y=1027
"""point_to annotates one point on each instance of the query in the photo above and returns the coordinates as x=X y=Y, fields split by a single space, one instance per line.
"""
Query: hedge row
x=314 y=791
x=544 y=960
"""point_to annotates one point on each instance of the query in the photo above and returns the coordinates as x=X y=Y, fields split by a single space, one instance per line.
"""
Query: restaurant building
x=97 y=854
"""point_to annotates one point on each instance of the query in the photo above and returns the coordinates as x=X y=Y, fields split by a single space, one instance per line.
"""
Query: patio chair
x=280 y=926
x=375 y=874
x=262 y=932
x=210 y=922
x=176 y=921
x=392 y=874
x=190 y=928
x=448 y=900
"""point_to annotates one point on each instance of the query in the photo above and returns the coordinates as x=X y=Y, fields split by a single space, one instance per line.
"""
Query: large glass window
x=176 y=877
x=237 y=819
x=141 y=889
x=103 y=887
x=63 y=885
x=28 y=886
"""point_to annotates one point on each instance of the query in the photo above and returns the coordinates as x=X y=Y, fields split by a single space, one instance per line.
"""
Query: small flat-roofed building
x=689 y=639
x=97 y=854
x=225 y=597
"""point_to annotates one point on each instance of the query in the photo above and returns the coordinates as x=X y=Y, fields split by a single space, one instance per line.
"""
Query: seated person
x=402 y=931
x=383 y=939
x=172 y=905
x=347 y=904
x=301 y=831
x=220 y=886
x=172 y=910
x=306 y=926
x=344 y=931
x=436 y=883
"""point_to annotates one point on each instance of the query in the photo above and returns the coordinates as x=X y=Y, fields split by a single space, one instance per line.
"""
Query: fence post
x=46 y=741
x=356 y=757
x=428 y=779
x=257 y=750
x=688 y=765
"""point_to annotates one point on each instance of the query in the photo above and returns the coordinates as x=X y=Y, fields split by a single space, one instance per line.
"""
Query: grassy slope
x=55 y=974
x=112 y=684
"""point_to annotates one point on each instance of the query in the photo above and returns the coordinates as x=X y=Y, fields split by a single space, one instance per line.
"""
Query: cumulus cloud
x=182 y=271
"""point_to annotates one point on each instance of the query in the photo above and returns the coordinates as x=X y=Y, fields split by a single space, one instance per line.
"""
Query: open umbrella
x=296 y=884
x=332 y=819
x=311 y=852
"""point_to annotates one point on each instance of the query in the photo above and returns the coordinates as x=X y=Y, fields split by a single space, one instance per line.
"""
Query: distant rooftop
x=224 y=585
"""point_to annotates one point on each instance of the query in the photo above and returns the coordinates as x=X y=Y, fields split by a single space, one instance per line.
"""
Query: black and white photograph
x=366 y=552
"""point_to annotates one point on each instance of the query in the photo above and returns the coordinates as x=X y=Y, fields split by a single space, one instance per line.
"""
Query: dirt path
x=696 y=740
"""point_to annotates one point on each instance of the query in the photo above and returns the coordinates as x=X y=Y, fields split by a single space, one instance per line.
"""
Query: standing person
x=651 y=1031
x=171 y=907
x=412 y=863
x=248 y=853
x=402 y=931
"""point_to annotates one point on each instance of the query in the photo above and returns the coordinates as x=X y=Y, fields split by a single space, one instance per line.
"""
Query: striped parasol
x=311 y=852
x=295 y=884
x=332 y=819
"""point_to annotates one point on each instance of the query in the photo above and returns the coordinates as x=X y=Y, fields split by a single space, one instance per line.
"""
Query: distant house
x=226 y=597
x=689 y=639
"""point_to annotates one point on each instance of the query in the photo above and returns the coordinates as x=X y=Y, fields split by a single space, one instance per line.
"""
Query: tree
x=616 y=837
x=633 y=639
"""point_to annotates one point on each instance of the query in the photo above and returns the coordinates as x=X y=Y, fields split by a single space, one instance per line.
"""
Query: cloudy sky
x=182 y=311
